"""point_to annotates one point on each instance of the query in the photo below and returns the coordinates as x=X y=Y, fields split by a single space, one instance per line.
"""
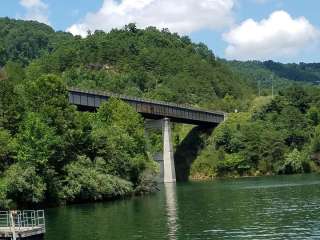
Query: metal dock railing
x=22 y=224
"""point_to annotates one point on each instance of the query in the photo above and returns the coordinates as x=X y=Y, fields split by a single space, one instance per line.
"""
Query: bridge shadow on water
x=188 y=150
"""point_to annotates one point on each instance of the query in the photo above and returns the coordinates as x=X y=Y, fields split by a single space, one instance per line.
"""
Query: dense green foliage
x=51 y=153
x=21 y=41
x=275 y=136
x=145 y=63
x=55 y=154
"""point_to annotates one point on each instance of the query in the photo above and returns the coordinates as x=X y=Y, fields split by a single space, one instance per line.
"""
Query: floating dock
x=26 y=225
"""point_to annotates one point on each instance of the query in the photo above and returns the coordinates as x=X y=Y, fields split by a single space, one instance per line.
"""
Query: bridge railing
x=124 y=97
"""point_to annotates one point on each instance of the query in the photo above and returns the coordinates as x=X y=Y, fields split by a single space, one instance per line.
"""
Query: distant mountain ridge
x=263 y=71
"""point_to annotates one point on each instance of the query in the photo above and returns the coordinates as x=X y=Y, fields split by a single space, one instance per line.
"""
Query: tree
x=131 y=27
x=6 y=149
x=298 y=97
x=11 y=106
x=315 y=142
x=294 y=126
x=23 y=185
x=313 y=115
x=48 y=96
x=36 y=144
x=118 y=137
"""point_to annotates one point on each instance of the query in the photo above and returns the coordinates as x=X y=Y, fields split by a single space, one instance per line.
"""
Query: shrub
x=295 y=162
x=23 y=185
x=86 y=181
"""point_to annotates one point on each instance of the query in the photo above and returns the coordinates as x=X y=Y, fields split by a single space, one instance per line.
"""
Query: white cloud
x=182 y=16
x=35 y=10
x=279 y=36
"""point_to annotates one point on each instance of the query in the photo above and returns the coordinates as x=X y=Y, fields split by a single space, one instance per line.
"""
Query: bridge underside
x=159 y=117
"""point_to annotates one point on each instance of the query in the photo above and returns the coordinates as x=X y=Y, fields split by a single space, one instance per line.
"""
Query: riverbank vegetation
x=50 y=153
x=277 y=135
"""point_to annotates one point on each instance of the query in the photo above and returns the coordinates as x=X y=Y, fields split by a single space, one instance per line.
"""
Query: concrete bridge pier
x=169 y=172
x=165 y=158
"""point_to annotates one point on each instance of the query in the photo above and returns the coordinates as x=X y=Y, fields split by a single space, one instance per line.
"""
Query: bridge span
x=150 y=109
x=156 y=110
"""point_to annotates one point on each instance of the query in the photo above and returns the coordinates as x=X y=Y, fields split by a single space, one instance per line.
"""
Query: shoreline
x=246 y=176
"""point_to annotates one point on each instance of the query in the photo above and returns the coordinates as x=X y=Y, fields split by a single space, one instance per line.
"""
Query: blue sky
x=281 y=30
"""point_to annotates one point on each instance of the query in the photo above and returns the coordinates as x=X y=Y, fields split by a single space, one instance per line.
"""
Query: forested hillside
x=22 y=41
x=51 y=153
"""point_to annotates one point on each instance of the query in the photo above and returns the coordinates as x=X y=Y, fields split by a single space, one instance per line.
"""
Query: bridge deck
x=91 y=100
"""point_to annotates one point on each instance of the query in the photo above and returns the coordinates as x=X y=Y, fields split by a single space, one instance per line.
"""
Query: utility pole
x=259 y=88
x=272 y=87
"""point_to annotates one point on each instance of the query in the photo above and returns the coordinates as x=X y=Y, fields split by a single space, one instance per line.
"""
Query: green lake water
x=283 y=207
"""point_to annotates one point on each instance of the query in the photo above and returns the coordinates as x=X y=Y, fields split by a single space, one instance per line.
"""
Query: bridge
x=150 y=109
x=164 y=112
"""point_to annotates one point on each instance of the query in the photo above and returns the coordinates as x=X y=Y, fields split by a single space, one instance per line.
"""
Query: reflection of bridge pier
x=163 y=112
x=171 y=209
